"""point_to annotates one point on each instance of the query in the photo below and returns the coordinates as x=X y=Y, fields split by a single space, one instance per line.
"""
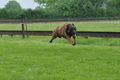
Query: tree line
x=53 y=9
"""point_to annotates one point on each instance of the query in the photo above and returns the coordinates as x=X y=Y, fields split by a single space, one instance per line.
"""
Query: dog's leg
x=75 y=40
x=68 y=38
x=52 y=39
x=53 y=36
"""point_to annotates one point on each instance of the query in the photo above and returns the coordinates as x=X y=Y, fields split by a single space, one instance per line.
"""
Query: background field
x=35 y=58
x=81 y=26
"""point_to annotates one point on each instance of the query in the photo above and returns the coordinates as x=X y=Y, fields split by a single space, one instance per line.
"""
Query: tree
x=45 y=3
x=75 y=8
x=13 y=5
x=113 y=7
x=113 y=3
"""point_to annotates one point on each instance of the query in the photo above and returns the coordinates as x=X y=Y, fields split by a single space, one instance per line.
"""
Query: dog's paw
x=74 y=44
x=50 y=41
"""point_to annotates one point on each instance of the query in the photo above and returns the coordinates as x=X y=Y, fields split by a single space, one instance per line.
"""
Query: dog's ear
x=67 y=25
x=72 y=24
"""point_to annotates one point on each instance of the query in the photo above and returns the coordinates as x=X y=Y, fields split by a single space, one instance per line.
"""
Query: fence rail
x=24 y=32
x=49 y=33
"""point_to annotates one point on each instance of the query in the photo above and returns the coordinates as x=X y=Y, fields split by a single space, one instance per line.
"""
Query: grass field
x=81 y=26
x=35 y=58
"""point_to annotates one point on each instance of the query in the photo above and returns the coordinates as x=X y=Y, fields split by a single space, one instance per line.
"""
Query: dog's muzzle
x=73 y=33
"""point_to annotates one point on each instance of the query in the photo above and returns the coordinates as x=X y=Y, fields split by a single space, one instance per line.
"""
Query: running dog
x=67 y=31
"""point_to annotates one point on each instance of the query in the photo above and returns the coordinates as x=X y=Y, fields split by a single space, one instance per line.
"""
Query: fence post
x=26 y=28
x=68 y=19
x=23 y=30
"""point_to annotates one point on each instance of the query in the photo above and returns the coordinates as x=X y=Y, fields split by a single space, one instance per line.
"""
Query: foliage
x=113 y=7
x=46 y=2
x=113 y=4
x=13 y=5
x=72 y=8
x=80 y=8
x=52 y=9
x=21 y=14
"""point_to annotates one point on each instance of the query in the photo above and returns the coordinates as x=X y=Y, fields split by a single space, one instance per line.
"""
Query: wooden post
x=26 y=28
x=68 y=19
x=23 y=30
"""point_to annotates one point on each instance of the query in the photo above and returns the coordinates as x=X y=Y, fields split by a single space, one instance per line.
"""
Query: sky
x=25 y=4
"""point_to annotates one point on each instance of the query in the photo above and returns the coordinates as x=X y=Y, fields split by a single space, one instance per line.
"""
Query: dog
x=67 y=31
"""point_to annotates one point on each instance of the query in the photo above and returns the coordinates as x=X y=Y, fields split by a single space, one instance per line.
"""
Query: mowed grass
x=81 y=26
x=35 y=58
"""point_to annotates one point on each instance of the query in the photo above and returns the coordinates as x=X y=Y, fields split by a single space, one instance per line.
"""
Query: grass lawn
x=35 y=58
x=81 y=26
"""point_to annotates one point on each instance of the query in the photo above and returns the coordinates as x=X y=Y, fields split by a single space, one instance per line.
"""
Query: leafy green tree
x=75 y=8
x=113 y=7
x=113 y=3
x=3 y=13
x=13 y=5
x=45 y=3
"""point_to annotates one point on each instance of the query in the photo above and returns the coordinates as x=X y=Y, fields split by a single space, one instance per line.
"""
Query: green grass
x=35 y=58
x=81 y=26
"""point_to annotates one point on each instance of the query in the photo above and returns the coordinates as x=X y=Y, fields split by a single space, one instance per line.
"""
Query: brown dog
x=67 y=31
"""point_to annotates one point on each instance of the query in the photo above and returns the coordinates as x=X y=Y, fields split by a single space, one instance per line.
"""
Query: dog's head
x=71 y=29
